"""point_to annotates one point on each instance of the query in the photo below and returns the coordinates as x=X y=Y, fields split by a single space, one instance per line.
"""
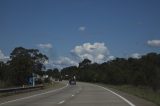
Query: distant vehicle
x=72 y=81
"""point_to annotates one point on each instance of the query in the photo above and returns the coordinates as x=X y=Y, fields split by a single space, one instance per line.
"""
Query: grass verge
x=54 y=85
x=140 y=91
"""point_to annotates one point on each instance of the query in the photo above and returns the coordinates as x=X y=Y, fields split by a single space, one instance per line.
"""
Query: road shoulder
x=134 y=99
x=57 y=86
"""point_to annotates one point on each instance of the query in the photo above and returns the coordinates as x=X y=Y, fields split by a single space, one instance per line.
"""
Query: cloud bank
x=55 y=61
x=96 y=52
x=61 y=62
x=3 y=57
x=65 y=61
x=154 y=43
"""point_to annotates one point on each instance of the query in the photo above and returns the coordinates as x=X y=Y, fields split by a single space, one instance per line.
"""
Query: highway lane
x=82 y=94
x=93 y=95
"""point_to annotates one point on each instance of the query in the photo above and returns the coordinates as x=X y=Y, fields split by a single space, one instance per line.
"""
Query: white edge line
x=61 y=102
x=131 y=104
x=33 y=95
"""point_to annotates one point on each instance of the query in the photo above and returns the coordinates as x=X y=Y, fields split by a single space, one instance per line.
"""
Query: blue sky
x=125 y=27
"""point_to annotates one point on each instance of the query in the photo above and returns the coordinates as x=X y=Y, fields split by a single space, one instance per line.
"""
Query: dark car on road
x=72 y=81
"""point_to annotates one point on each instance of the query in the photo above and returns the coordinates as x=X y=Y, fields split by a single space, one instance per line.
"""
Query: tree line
x=144 y=71
x=21 y=66
x=23 y=62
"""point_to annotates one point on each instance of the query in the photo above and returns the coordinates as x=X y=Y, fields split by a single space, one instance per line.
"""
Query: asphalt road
x=82 y=94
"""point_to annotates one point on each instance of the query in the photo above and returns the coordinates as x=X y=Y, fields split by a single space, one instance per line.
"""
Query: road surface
x=82 y=94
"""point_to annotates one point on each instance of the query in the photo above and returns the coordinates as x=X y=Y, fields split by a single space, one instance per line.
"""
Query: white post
x=74 y=77
x=33 y=76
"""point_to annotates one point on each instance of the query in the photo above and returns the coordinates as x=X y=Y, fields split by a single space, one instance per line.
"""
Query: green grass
x=140 y=91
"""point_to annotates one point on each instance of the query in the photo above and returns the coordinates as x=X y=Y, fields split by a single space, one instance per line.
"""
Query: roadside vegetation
x=144 y=71
x=140 y=91
x=128 y=74
x=24 y=64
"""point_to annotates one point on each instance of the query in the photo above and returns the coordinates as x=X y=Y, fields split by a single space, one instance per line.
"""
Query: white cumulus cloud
x=111 y=57
x=3 y=57
x=44 y=46
x=96 y=52
x=61 y=62
x=136 y=55
x=154 y=43
x=65 y=61
x=82 y=28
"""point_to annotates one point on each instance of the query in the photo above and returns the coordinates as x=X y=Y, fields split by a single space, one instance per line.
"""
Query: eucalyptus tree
x=23 y=63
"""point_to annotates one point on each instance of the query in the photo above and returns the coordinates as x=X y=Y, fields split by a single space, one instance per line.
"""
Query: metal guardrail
x=21 y=89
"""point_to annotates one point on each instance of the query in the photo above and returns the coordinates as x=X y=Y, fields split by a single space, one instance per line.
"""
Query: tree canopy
x=23 y=62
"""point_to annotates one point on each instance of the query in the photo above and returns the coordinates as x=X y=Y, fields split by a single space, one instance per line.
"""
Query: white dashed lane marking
x=32 y=96
x=61 y=102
